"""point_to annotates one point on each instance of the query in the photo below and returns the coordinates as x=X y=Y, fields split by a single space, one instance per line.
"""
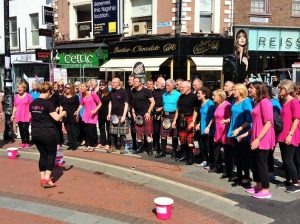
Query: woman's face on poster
x=241 y=39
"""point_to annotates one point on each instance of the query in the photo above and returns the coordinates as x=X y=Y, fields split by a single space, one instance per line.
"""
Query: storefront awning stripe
x=208 y=63
x=126 y=64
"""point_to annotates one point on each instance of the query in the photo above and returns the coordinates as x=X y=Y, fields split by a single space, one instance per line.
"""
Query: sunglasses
x=60 y=85
x=102 y=84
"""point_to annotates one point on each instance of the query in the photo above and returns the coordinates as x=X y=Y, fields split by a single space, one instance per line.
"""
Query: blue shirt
x=240 y=113
x=170 y=101
x=206 y=112
x=276 y=105
x=34 y=94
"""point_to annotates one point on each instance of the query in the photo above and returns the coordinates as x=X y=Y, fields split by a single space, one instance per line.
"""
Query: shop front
x=185 y=57
x=272 y=52
x=81 y=61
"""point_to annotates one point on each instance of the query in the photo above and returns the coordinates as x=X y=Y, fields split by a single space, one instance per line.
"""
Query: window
x=84 y=25
x=35 y=38
x=296 y=7
x=259 y=6
x=205 y=16
x=13 y=31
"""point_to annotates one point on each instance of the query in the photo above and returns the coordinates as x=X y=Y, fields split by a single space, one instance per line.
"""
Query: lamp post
x=8 y=94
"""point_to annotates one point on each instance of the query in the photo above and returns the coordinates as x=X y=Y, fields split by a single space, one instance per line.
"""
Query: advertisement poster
x=106 y=17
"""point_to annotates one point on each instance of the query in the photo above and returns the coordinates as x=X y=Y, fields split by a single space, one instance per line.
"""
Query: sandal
x=48 y=183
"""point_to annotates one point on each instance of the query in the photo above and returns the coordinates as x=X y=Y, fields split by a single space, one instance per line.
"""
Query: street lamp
x=8 y=94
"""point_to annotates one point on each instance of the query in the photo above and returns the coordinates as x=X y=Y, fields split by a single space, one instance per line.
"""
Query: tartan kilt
x=121 y=129
x=170 y=132
x=186 y=136
x=145 y=129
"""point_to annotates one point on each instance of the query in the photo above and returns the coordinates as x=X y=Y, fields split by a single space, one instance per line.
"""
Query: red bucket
x=12 y=153
x=164 y=207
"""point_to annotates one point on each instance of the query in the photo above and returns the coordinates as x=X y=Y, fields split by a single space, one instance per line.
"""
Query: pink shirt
x=22 y=107
x=90 y=103
x=222 y=112
x=289 y=112
x=261 y=114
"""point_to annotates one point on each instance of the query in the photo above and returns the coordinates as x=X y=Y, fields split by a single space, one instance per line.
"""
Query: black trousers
x=297 y=160
x=215 y=155
x=260 y=170
x=242 y=150
x=47 y=147
x=91 y=135
x=288 y=159
x=271 y=161
x=133 y=134
x=205 y=145
x=156 y=134
x=104 y=131
x=229 y=158
x=60 y=135
x=72 y=133
x=24 y=131
x=81 y=132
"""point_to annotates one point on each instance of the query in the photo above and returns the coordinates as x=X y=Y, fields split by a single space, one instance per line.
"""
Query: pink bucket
x=12 y=153
x=164 y=207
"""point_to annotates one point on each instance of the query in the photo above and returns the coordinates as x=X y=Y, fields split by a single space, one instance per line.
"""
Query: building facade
x=273 y=36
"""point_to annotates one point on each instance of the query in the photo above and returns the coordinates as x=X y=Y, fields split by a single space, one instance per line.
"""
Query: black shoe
x=292 y=189
x=230 y=179
x=180 y=159
x=70 y=148
x=189 y=163
x=213 y=170
x=160 y=155
x=150 y=153
x=285 y=184
x=224 y=175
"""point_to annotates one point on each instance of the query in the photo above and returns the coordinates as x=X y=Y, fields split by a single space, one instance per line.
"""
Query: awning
x=208 y=63
x=79 y=45
x=126 y=64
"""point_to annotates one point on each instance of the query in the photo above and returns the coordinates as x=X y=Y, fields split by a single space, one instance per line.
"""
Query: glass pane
x=35 y=38
x=13 y=24
x=205 y=23
x=84 y=13
x=14 y=39
x=84 y=29
x=206 y=5
x=258 y=5
x=296 y=7
x=34 y=21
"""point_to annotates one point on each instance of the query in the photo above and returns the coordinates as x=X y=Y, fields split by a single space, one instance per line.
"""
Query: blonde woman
x=221 y=121
x=289 y=138
x=21 y=114
x=240 y=122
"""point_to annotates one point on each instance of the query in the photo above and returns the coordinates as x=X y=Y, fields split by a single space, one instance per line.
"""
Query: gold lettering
x=205 y=46
x=121 y=50
x=169 y=47
x=141 y=48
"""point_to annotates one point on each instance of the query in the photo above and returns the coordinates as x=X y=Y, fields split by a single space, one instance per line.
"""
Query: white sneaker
x=203 y=164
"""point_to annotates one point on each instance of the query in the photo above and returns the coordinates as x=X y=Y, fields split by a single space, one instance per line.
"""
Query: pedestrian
x=34 y=92
x=21 y=114
x=228 y=88
x=81 y=132
x=221 y=121
x=157 y=112
x=117 y=115
x=240 y=123
x=262 y=139
x=44 y=134
x=103 y=123
x=186 y=115
x=289 y=137
x=91 y=103
x=206 y=113
x=169 y=101
x=70 y=104
x=142 y=106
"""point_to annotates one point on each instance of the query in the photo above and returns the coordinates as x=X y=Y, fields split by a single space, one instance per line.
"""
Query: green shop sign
x=84 y=60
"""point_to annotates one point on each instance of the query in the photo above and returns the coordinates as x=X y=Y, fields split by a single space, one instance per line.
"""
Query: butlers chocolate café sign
x=177 y=47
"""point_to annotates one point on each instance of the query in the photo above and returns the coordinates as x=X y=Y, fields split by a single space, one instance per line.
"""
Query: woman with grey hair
x=35 y=92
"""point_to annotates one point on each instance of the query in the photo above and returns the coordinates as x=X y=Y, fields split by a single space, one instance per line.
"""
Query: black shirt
x=231 y=99
x=55 y=99
x=105 y=99
x=129 y=93
x=70 y=105
x=140 y=101
x=118 y=99
x=157 y=95
x=42 y=123
x=187 y=103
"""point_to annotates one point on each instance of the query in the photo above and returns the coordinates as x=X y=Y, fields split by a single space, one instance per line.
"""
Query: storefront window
x=211 y=79
x=13 y=31
x=296 y=7
x=206 y=16
x=84 y=25
x=259 y=6
x=35 y=29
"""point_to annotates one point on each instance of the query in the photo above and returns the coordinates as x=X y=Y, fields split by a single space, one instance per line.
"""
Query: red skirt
x=187 y=136
x=145 y=129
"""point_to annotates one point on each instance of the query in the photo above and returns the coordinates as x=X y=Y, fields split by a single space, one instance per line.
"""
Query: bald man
x=185 y=116
x=228 y=87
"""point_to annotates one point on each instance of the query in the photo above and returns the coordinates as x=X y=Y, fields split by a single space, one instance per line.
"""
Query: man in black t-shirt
x=157 y=95
x=142 y=105
x=117 y=114
x=186 y=114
